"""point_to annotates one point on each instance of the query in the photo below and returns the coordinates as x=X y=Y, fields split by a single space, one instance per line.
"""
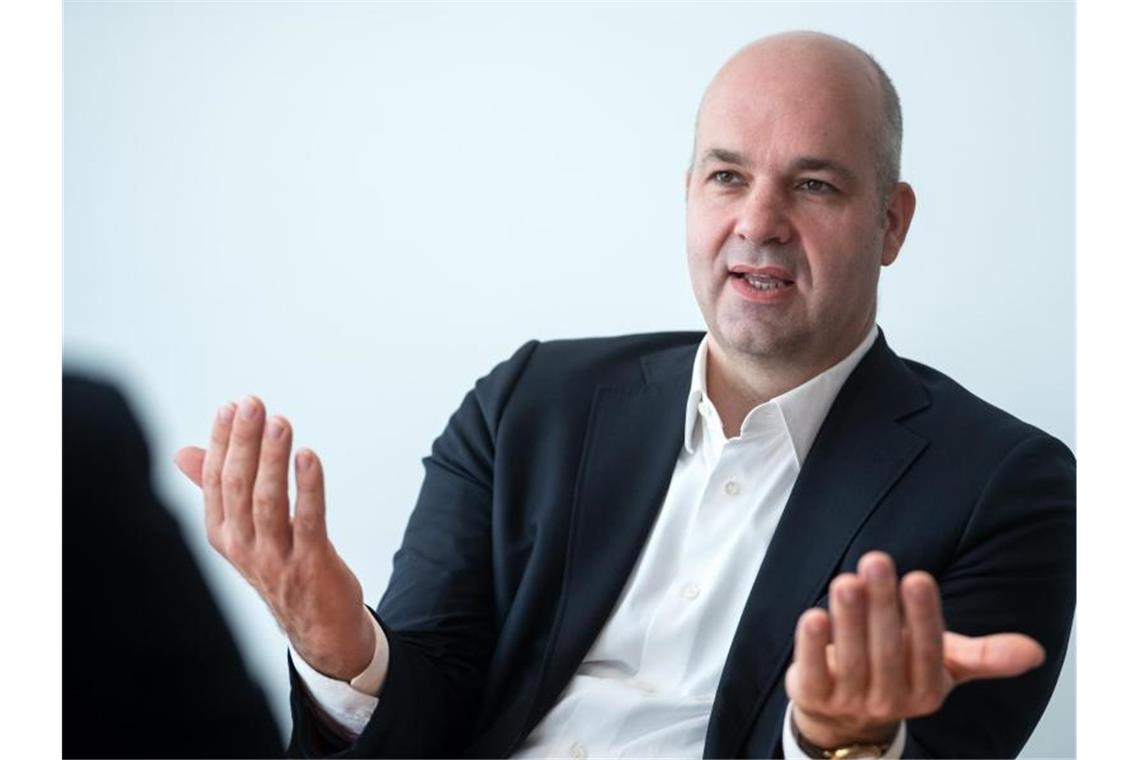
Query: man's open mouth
x=763 y=281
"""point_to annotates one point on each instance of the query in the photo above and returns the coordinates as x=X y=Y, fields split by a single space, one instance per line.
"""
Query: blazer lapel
x=857 y=456
x=632 y=441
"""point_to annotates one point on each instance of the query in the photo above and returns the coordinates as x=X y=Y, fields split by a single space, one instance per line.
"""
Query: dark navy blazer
x=542 y=490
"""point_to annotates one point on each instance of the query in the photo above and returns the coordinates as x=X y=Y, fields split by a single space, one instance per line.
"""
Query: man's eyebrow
x=723 y=156
x=817 y=164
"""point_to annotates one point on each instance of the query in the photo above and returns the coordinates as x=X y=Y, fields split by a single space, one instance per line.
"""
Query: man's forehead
x=756 y=94
x=807 y=126
x=757 y=118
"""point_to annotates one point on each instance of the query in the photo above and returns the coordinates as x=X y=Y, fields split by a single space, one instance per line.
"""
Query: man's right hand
x=244 y=477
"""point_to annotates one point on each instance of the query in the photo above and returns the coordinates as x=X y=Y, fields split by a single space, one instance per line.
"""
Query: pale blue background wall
x=354 y=210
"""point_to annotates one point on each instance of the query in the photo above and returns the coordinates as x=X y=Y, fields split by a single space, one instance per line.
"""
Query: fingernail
x=815 y=626
x=276 y=429
x=877 y=570
x=846 y=595
x=248 y=408
x=304 y=460
x=226 y=413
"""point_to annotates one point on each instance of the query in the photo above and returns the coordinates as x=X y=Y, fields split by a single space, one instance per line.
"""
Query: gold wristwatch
x=846 y=752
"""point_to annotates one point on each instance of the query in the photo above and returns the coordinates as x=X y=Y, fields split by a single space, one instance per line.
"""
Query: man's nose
x=763 y=217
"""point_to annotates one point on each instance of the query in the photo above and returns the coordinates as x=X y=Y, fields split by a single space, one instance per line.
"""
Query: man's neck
x=737 y=383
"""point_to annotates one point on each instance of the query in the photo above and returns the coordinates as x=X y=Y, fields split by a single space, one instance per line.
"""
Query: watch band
x=856 y=751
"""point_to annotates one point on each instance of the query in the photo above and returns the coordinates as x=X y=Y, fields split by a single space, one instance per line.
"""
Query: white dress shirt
x=646 y=687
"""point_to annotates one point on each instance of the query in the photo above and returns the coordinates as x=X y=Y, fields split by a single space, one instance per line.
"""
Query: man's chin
x=757 y=342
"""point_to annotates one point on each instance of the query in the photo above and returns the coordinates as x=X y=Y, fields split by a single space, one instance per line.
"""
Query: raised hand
x=873 y=662
x=244 y=477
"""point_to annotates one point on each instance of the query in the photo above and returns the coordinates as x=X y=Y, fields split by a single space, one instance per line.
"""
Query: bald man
x=776 y=538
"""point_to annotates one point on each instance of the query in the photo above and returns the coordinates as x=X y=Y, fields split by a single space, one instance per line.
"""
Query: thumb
x=1000 y=655
x=189 y=460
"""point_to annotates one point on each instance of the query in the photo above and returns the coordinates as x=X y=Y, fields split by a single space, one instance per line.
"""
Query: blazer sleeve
x=438 y=611
x=1014 y=570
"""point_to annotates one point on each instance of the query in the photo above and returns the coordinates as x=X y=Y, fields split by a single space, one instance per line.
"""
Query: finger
x=212 y=467
x=922 y=610
x=887 y=681
x=1000 y=655
x=848 y=603
x=309 y=520
x=271 y=488
x=810 y=682
x=240 y=467
x=190 y=459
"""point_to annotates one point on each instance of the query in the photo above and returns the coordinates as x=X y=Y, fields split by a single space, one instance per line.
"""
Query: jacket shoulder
x=554 y=382
x=616 y=360
x=958 y=414
x=571 y=366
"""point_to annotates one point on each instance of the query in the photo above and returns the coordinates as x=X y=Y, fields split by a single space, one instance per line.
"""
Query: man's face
x=786 y=230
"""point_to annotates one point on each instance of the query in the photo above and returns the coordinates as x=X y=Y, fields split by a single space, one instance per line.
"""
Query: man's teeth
x=765 y=283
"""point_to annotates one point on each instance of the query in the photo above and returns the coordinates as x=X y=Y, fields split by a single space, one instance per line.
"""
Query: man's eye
x=725 y=177
x=816 y=186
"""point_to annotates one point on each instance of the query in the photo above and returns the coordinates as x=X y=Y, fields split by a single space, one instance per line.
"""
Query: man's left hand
x=873 y=662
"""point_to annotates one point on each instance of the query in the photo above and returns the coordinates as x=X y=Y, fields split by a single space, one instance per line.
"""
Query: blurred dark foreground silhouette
x=149 y=667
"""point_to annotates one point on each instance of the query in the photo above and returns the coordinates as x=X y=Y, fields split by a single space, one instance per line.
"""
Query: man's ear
x=900 y=210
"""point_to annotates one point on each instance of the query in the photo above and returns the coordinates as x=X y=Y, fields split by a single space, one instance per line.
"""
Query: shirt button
x=577 y=751
x=690 y=591
x=731 y=487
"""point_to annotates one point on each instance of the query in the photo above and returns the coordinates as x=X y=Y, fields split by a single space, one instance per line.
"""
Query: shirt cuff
x=349 y=704
x=793 y=751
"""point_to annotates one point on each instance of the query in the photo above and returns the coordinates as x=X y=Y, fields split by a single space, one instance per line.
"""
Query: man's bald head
x=816 y=61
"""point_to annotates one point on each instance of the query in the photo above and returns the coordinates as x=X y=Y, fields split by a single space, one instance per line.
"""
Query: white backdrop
x=354 y=210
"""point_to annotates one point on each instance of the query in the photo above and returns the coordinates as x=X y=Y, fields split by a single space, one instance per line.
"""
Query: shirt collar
x=803 y=408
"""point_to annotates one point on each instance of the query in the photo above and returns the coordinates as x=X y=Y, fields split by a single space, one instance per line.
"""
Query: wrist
x=346 y=657
x=828 y=733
